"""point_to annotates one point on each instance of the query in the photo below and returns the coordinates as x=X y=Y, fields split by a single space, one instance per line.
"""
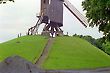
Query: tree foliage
x=4 y=1
x=106 y=47
x=98 y=14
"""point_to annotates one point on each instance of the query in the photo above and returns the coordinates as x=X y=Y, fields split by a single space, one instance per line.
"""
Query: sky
x=17 y=17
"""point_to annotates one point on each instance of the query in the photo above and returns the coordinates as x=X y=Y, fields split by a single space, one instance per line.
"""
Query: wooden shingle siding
x=55 y=12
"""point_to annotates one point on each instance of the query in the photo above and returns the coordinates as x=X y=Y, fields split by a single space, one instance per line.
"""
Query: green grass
x=66 y=52
x=75 y=53
x=28 y=47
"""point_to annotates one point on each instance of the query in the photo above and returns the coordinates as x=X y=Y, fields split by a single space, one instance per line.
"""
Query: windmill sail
x=76 y=13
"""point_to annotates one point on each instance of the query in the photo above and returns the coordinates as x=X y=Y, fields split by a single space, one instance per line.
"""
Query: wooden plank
x=55 y=13
x=44 y=5
x=44 y=8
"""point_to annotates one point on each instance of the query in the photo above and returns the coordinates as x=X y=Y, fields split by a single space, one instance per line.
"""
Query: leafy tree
x=99 y=43
x=90 y=40
x=106 y=47
x=98 y=14
x=4 y=1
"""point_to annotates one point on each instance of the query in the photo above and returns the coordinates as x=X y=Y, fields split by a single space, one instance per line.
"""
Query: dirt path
x=44 y=53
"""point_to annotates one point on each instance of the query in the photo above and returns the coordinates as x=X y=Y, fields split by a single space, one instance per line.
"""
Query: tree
x=106 y=47
x=98 y=14
x=4 y=1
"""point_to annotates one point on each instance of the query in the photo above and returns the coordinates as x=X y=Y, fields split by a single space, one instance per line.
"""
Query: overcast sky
x=19 y=16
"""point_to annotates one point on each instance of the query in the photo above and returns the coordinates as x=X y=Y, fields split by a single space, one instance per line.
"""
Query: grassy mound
x=75 y=53
x=66 y=52
x=29 y=47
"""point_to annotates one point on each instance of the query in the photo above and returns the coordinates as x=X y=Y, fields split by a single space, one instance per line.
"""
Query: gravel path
x=45 y=52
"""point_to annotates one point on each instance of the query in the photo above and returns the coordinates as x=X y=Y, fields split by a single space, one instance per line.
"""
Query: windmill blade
x=76 y=13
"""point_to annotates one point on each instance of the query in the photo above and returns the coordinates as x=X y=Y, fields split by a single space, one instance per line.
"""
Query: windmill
x=51 y=13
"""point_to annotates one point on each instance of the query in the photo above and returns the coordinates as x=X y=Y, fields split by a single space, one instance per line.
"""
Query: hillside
x=65 y=53
x=75 y=53
x=28 y=47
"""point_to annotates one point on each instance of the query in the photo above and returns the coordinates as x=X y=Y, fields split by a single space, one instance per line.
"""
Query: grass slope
x=29 y=47
x=75 y=53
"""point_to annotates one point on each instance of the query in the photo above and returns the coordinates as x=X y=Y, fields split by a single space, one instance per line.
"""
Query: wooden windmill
x=51 y=14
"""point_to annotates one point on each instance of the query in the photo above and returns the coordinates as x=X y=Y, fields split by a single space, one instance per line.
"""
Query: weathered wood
x=53 y=16
x=76 y=13
x=44 y=5
x=43 y=12
x=55 y=13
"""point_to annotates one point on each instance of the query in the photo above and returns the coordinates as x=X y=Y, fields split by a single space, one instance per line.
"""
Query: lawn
x=75 y=53
x=28 y=47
